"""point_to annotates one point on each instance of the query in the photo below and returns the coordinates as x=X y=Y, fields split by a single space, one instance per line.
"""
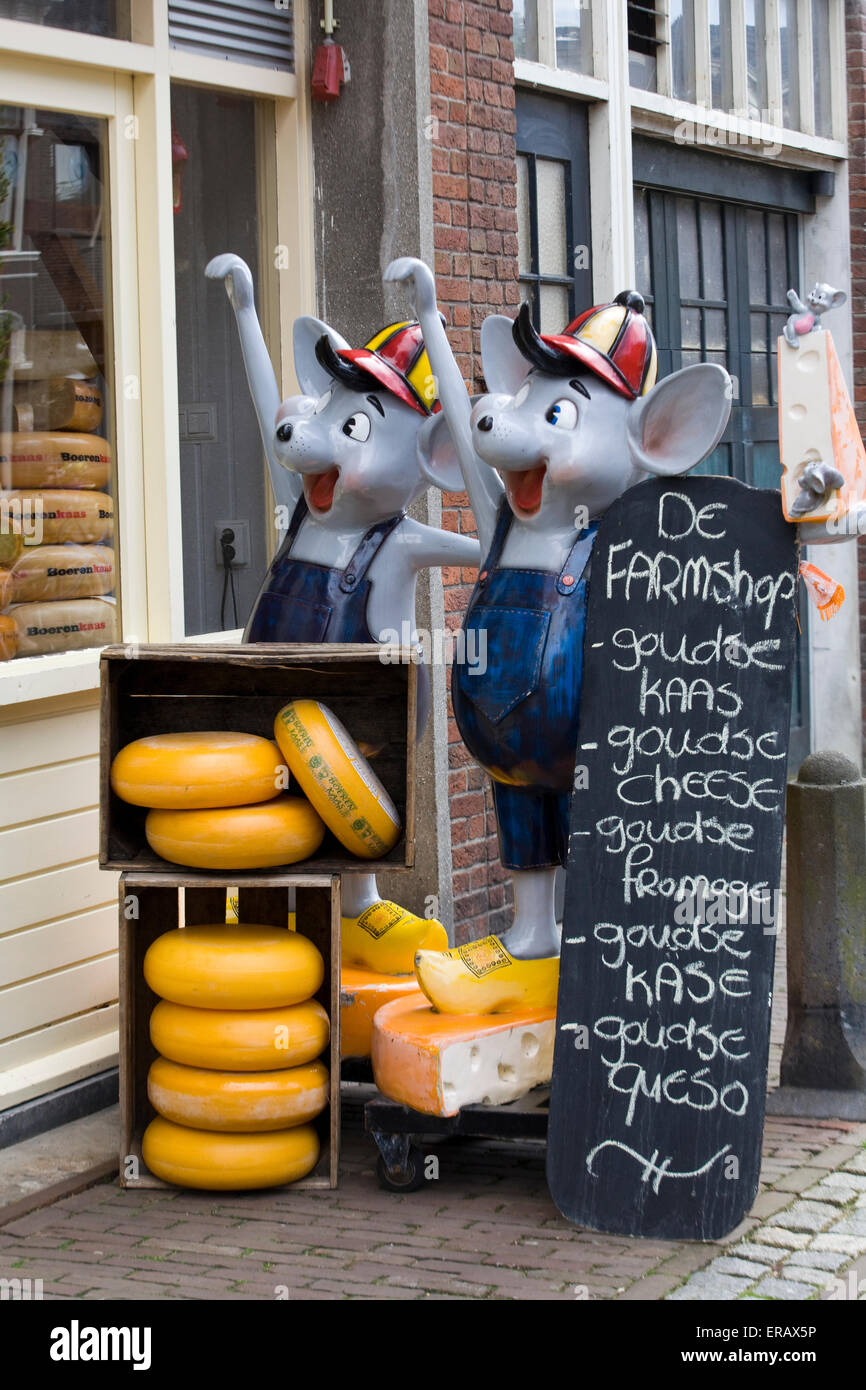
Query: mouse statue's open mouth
x=319 y=489
x=523 y=488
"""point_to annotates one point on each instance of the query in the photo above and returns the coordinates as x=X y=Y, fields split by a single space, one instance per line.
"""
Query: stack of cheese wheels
x=216 y=800
x=239 y=1076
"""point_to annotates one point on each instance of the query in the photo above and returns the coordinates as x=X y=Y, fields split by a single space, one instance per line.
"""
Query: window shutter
x=245 y=31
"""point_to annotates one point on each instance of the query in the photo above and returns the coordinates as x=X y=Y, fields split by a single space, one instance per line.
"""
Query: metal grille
x=245 y=31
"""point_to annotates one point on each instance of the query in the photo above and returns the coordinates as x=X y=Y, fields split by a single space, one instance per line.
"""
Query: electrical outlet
x=240 y=540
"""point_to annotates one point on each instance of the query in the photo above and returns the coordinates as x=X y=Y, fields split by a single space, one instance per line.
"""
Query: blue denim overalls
x=301 y=601
x=519 y=717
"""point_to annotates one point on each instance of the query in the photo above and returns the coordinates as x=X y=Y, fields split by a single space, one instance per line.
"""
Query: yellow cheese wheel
x=5 y=588
x=8 y=638
x=64 y=626
x=55 y=516
x=34 y=459
x=11 y=539
x=237 y=1102
x=240 y=1039
x=228 y=1162
x=282 y=831
x=58 y=404
x=198 y=771
x=241 y=967
x=48 y=572
x=338 y=780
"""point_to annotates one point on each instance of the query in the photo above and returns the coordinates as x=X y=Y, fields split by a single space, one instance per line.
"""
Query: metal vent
x=244 y=31
x=643 y=27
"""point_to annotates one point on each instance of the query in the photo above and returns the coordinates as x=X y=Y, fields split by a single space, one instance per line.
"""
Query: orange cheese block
x=228 y=1162
x=362 y=994
x=237 y=1102
x=34 y=459
x=282 y=831
x=58 y=404
x=437 y=1063
x=239 y=967
x=240 y=1039
x=49 y=572
x=198 y=771
x=55 y=516
x=64 y=626
x=8 y=638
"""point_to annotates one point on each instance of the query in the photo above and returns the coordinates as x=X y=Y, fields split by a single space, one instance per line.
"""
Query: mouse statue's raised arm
x=345 y=459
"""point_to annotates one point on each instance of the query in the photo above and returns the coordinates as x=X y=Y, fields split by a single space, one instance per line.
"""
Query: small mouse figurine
x=806 y=318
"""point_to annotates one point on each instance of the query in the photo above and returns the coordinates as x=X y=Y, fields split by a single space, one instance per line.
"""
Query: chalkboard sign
x=663 y=1020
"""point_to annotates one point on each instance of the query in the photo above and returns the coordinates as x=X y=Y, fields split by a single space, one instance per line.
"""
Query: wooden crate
x=169 y=689
x=153 y=903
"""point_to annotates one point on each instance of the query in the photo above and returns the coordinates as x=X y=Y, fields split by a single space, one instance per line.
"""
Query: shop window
x=682 y=17
x=525 y=22
x=246 y=31
x=756 y=58
x=58 y=566
x=789 y=44
x=555 y=32
x=643 y=41
x=721 y=55
x=106 y=18
x=821 y=67
x=573 y=35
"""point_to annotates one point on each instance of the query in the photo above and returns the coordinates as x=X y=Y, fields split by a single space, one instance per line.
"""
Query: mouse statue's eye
x=562 y=413
x=358 y=427
x=322 y=402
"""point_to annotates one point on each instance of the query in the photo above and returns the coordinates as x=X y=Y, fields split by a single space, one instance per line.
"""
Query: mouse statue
x=344 y=461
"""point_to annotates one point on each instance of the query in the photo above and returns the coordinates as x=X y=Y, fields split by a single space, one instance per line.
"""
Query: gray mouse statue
x=806 y=318
x=345 y=463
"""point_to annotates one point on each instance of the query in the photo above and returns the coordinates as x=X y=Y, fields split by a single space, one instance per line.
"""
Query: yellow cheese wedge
x=34 y=459
x=282 y=831
x=338 y=780
x=237 y=1102
x=362 y=994
x=239 y=967
x=482 y=977
x=198 y=771
x=228 y=1162
x=58 y=515
x=240 y=1039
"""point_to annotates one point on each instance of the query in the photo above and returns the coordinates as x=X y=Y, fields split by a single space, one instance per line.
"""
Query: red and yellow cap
x=395 y=357
x=614 y=341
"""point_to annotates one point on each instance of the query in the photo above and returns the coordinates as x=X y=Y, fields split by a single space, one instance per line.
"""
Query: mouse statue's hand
x=237 y=277
x=418 y=279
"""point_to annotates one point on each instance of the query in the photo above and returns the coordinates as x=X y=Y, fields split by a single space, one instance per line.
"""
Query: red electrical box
x=330 y=71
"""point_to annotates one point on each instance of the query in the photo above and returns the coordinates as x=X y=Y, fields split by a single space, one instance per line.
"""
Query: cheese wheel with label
x=56 y=516
x=45 y=459
x=198 y=771
x=338 y=780
x=240 y=1039
x=237 y=1102
x=64 y=626
x=241 y=967
x=8 y=638
x=228 y=1162
x=48 y=572
x=282 y=831
x=58 y=404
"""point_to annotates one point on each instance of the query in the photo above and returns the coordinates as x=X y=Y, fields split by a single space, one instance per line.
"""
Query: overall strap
x=576 y=560
x=503 y=526
x=298 y=517
x=367 y=549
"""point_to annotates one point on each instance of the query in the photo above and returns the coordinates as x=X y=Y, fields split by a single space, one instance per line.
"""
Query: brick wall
x=855 y=25
x=475 y=239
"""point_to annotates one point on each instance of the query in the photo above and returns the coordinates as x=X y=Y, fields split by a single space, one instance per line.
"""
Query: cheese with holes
x=817 y=425
x=238 y=967
x=49 y=572
x=338 y=780
x=227 y=1162
x=240 y=1039
x=437 y=1063
x=35 y=459
x=55 y=516
x=237 y=1102
x=65 y=625
x=272 y=833
x=198 y=771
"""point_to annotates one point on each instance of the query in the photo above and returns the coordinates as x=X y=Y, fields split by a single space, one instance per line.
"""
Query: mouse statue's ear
x=437 y=457
x=313 y=378
x=505 y=368
x=681 y=420
x=839 y=297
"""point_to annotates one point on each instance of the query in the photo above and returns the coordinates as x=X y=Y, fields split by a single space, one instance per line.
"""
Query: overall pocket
x=280 y=618
x=513 y=641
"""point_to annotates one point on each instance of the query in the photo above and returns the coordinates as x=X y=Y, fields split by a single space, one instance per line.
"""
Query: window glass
x=573 y=30
x=756 y=59
x=58 y=566
x=524 y=245
x=525 y=21
x=821 y=67
x=683 y=48
x=642 y=45
x=553 y=304
x=552 y=251
x=687 y=239
x=721 y=55
x=790 y=60
x=106 y=18
x=641 y=241
x=712 y=251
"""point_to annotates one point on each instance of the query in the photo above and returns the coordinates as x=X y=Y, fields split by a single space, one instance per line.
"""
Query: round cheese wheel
x=11 y=539
x=282 y=831
x=338 y=780
x=54 y=460
x=58 y=404
x=64 y=626
x=8 y=638
x=57 y=516
x=240 y=1039
x=5 y=588
x=240 y=967
x=198 y=771
x=237 y=1102
x=228 y=1162
x=62 y=571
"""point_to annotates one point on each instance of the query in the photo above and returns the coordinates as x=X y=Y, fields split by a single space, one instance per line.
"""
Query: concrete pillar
x=824 y=1058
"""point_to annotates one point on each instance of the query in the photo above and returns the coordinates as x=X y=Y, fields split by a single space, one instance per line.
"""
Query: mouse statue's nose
x=284 y=433
x=486 y=423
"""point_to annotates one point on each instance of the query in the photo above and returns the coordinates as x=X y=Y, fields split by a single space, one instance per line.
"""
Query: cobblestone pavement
x=486 y=1228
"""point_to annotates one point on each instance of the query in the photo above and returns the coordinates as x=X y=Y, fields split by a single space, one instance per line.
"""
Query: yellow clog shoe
x=386 y=936
x=484 y=978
